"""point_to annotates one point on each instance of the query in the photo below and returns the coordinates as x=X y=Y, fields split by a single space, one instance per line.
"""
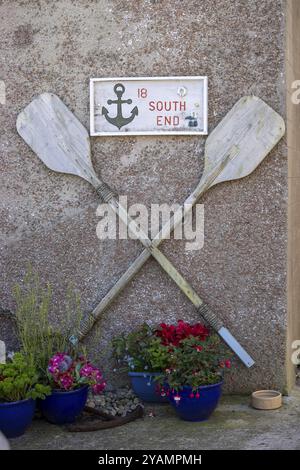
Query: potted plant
x=194 y=377
x=144 y=358
x=19 y=388
x=70 y=380
x=69 y=373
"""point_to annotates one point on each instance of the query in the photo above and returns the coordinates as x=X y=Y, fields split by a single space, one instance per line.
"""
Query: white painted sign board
x=148 y=106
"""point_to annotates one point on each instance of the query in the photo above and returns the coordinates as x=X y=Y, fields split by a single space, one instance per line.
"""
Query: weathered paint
x=151 y=105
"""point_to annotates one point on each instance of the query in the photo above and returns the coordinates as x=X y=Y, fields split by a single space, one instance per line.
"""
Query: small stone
x=115 y=402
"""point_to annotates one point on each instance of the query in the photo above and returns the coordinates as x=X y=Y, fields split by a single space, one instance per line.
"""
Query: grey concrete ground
x=234 y=425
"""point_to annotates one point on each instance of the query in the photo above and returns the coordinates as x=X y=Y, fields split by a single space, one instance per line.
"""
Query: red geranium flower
x=171 y=335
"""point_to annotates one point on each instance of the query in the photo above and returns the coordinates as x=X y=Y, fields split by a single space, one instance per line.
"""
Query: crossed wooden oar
x=233 y=150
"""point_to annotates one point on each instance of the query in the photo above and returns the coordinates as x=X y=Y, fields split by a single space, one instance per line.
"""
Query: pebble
x=116 y=402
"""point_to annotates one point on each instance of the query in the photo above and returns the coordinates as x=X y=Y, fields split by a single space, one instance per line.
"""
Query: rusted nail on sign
x=148 y=106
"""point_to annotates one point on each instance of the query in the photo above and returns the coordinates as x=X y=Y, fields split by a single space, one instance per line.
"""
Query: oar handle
x=85 y=326
x=105 y=192
x=210 y=317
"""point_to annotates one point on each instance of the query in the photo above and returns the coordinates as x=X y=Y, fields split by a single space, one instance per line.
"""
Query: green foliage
x=184 y=354
x=194 y=363
x=157 y=355
x=39 y=337
x=19 y=380
x=140 y=350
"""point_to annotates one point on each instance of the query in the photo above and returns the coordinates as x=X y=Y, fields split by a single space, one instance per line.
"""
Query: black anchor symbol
x=119 y=121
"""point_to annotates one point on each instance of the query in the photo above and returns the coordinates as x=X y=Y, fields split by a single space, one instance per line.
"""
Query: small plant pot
x=145 y=387
x=191 y=408
x=266 y=400
x=16 y=417
x=63 y=407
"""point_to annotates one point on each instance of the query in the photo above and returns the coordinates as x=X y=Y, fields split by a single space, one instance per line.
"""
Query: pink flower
x=97 y=374
x=86 y=371
x=177 y=399
x=98 y=388
x=64 y=373
x=60 y=363
x=66 y=381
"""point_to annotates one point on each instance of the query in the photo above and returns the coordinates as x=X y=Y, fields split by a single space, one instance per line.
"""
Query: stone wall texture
x=49 y=219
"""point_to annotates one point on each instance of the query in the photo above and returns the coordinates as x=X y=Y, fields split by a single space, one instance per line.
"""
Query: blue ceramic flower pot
x=15 y=417
x=145 y=386
x=63 y=407
x=196 y=409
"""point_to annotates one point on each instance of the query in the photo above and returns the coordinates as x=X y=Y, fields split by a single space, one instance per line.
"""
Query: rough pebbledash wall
x=50 y=219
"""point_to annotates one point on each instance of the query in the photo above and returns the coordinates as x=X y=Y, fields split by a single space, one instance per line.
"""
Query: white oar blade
x=247 y=134
x=56 y=136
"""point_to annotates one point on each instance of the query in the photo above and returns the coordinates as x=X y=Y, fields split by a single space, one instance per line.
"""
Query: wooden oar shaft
x=135 y=267
x=170 y=269
x=107 y=196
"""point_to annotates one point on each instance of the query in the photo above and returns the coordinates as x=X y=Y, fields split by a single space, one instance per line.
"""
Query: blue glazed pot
x=145 y=387
x=15 y=417
x=197 y=409
x=63 y=407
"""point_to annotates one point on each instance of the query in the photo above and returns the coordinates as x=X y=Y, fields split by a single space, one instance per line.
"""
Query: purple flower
x=86 y=371
x=64 y=372
x=66 y=381
x=98 y=388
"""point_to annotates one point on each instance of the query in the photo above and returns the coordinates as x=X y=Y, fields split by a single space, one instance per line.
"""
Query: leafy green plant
x=140 y=350
x=185 y=354
x=195 y=362
x=19 y=380
x=39 y=337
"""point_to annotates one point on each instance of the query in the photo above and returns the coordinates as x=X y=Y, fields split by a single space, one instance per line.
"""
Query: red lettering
x=159 y=106
x=142 y=92
x=167 y=120
x=167 y=106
